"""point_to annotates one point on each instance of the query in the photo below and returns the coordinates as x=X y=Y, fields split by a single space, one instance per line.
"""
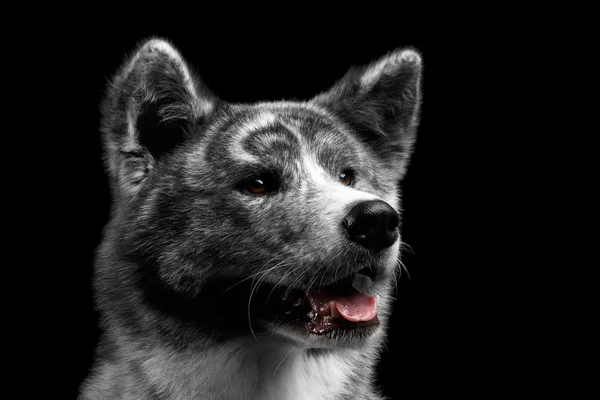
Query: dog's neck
x=255 y=369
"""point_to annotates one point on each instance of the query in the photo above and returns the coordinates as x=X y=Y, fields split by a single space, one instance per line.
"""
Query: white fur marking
x=262 y=120
x=282 y=105
x=131 y=132
x=387 y=65
x=315 y=378
x=251 y=371
x=339 y=195
x=314 y=170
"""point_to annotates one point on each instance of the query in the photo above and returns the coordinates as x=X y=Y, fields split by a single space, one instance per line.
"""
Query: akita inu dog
x=252 y=248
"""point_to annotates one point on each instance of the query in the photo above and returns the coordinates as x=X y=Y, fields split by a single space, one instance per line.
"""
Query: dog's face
x=274 y=218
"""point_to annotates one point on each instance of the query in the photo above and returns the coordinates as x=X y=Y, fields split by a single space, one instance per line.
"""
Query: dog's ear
x=381 y=103
x=151 y=106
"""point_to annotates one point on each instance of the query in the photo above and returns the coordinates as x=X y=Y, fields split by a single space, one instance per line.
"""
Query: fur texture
x=190 y=247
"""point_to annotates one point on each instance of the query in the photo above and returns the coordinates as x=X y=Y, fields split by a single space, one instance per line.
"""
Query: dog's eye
x=256 y=186
x=347 y=178
x=260 y=185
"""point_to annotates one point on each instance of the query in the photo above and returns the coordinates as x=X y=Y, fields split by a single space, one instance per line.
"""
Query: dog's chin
x=342 y=337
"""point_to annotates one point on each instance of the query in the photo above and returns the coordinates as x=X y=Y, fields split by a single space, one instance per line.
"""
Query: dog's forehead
x=286 y=131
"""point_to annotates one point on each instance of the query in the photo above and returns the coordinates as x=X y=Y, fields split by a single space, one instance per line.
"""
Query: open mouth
x=338 y=306
x=348 y=305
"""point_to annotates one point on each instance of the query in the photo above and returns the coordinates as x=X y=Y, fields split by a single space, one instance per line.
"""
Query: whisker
x=254 y=286
x=313 y=280
x=249 y=302
x=396 y=278
x=260 y=271
x=298 y=279
x=406 y=246
x=336 y=272
x=286 y=356
x=323 y=265
x=322 y=276
x=403 y=267
x=282 y=279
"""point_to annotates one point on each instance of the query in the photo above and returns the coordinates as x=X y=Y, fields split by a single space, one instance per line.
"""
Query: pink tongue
x=355 y=307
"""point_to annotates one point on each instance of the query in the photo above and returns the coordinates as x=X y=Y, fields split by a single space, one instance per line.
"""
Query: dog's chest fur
x=271 y=375
x=241 y=371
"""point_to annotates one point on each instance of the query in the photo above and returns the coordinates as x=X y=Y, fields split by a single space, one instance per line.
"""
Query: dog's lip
x=324 y=325
x=365 y=280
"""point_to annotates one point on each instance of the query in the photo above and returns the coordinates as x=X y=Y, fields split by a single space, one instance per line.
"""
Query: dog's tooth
x=334 y=312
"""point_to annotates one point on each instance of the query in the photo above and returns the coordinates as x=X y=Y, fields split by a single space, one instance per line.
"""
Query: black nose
x=372 y=224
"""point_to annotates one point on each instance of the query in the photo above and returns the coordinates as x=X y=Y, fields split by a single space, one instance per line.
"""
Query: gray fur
x=176 y=155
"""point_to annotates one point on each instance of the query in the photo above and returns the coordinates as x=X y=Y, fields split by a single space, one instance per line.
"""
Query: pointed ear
x=380 y=102
x=151 y=105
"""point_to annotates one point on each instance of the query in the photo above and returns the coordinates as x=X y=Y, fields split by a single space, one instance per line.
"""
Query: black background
x=425 y=350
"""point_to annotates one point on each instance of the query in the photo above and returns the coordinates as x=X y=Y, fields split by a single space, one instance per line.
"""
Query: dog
x=252 y=248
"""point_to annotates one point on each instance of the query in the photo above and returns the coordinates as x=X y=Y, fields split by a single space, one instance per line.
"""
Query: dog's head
x=273 y=218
